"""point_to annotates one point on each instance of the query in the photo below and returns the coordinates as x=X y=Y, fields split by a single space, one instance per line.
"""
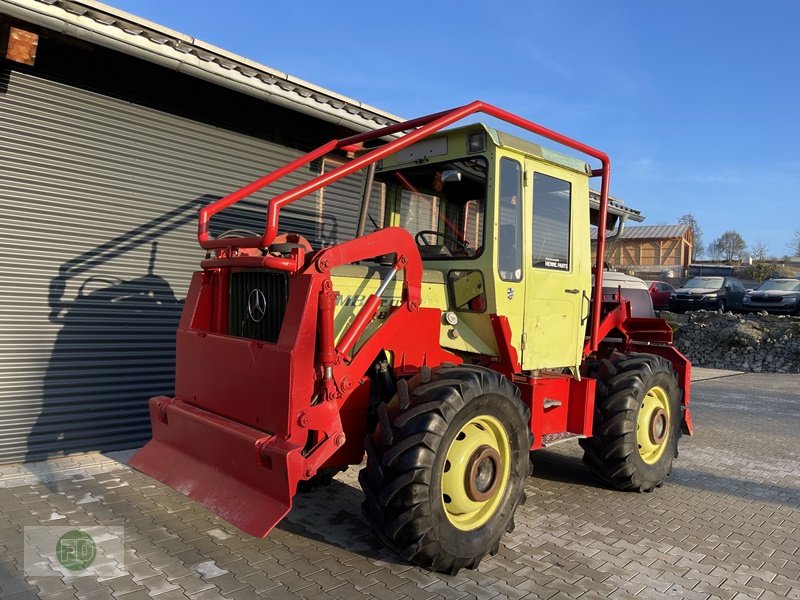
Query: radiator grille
x=257 y=304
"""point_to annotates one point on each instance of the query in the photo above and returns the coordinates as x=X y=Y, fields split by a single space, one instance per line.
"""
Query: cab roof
x=512 y=142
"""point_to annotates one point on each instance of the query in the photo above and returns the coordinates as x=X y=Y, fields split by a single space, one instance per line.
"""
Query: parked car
x=633 y=289
x=775 y=296
x=659 y=293
x=710 y=293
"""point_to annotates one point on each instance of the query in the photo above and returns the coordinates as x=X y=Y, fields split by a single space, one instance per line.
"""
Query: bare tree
x=714 y=250
x=794 y=244
x=760 y=250
x=729 y=246
x=697 y=234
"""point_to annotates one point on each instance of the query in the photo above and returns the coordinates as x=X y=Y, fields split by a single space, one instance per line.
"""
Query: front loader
x=467 y=328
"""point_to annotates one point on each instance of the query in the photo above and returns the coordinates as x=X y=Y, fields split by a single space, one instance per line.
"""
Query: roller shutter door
x=98 y=243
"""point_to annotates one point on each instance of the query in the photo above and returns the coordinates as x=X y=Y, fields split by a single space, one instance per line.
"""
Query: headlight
x=476 y=142
x=673 y=296
x=746 y=299
x=713 y=296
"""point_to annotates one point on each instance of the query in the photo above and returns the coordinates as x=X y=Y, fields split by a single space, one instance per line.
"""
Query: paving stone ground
x=725 y=525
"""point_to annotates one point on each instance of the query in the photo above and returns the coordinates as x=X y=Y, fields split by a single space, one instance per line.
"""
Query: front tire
x=446 y=466
x=637 y=422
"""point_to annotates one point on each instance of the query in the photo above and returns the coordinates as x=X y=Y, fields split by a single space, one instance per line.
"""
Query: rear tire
x=637 y=422
x=446 y=466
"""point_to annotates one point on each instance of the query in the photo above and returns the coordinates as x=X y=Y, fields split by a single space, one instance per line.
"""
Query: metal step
x=551 y=439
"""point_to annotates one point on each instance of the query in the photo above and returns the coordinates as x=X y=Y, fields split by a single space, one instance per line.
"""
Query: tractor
x=465 y=329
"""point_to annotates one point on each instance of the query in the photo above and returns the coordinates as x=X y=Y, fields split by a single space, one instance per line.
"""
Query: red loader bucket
x=238 y=472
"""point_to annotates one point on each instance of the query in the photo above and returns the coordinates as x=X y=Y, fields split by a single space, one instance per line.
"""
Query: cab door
x=557 y=266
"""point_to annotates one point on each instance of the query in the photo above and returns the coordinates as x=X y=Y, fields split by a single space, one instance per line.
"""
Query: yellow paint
x=467 y=288
x=540 y=307
x=463 y=512
x=555 y=319
x=656 y=400
x=356 y=282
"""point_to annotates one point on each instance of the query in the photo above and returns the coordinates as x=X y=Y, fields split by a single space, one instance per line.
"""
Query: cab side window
x=509 y=243
x=552 y=205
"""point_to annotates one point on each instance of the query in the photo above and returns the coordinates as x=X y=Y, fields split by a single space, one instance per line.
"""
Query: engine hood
x=774 y=293
x=697 y=290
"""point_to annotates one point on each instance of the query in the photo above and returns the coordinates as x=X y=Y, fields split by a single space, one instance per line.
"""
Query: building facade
x=115 y=131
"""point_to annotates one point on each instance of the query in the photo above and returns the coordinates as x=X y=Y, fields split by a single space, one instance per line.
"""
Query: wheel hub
x=653 y=425
x=482 y=471
x=658 y=426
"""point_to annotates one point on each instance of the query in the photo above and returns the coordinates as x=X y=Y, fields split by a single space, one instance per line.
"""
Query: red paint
x=558 y=404
x=509 y=362
x=653 y=336
x=327 y=302
x=217 y=462
x=365 y=315
x=232 y=438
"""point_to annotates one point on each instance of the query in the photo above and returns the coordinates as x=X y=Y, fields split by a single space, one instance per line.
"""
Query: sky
x=697 y=102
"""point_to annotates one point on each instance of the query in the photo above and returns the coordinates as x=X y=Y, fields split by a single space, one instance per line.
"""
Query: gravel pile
x=759 y=342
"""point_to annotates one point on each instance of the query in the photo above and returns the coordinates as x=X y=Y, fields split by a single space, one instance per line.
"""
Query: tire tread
x=612 y=452
x=397 y=478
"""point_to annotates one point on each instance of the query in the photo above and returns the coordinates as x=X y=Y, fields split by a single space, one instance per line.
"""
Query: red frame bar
x=209 y=211
x=422 y=127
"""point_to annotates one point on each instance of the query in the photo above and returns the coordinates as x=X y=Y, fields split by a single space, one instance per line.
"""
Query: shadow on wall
x=116 y=346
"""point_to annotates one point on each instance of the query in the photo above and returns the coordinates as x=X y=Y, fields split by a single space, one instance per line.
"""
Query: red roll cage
x=417 y=129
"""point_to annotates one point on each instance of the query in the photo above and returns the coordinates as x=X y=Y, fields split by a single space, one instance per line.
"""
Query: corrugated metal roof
x=615 y=207
x=116 y=29
x=652 y=232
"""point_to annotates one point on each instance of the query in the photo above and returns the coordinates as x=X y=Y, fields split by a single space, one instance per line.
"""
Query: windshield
x=442 y=205
x=785 y=285
x=712 y=283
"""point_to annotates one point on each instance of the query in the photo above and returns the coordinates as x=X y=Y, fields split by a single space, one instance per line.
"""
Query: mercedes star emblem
x=256 y=306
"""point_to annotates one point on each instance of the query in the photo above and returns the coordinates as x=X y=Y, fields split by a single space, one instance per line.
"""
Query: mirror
x=451 y=175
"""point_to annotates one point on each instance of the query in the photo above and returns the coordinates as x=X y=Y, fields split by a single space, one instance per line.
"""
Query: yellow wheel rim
x=475 y=473
x=653 y=425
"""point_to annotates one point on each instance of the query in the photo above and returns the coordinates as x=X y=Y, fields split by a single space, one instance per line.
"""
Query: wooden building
x=652 y=248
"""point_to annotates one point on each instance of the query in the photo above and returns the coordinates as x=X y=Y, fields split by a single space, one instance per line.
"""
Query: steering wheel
x=419 y=238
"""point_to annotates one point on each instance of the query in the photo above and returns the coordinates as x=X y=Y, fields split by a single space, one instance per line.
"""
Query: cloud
x=549 y=64
x=711 y=178
x=652 y=170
